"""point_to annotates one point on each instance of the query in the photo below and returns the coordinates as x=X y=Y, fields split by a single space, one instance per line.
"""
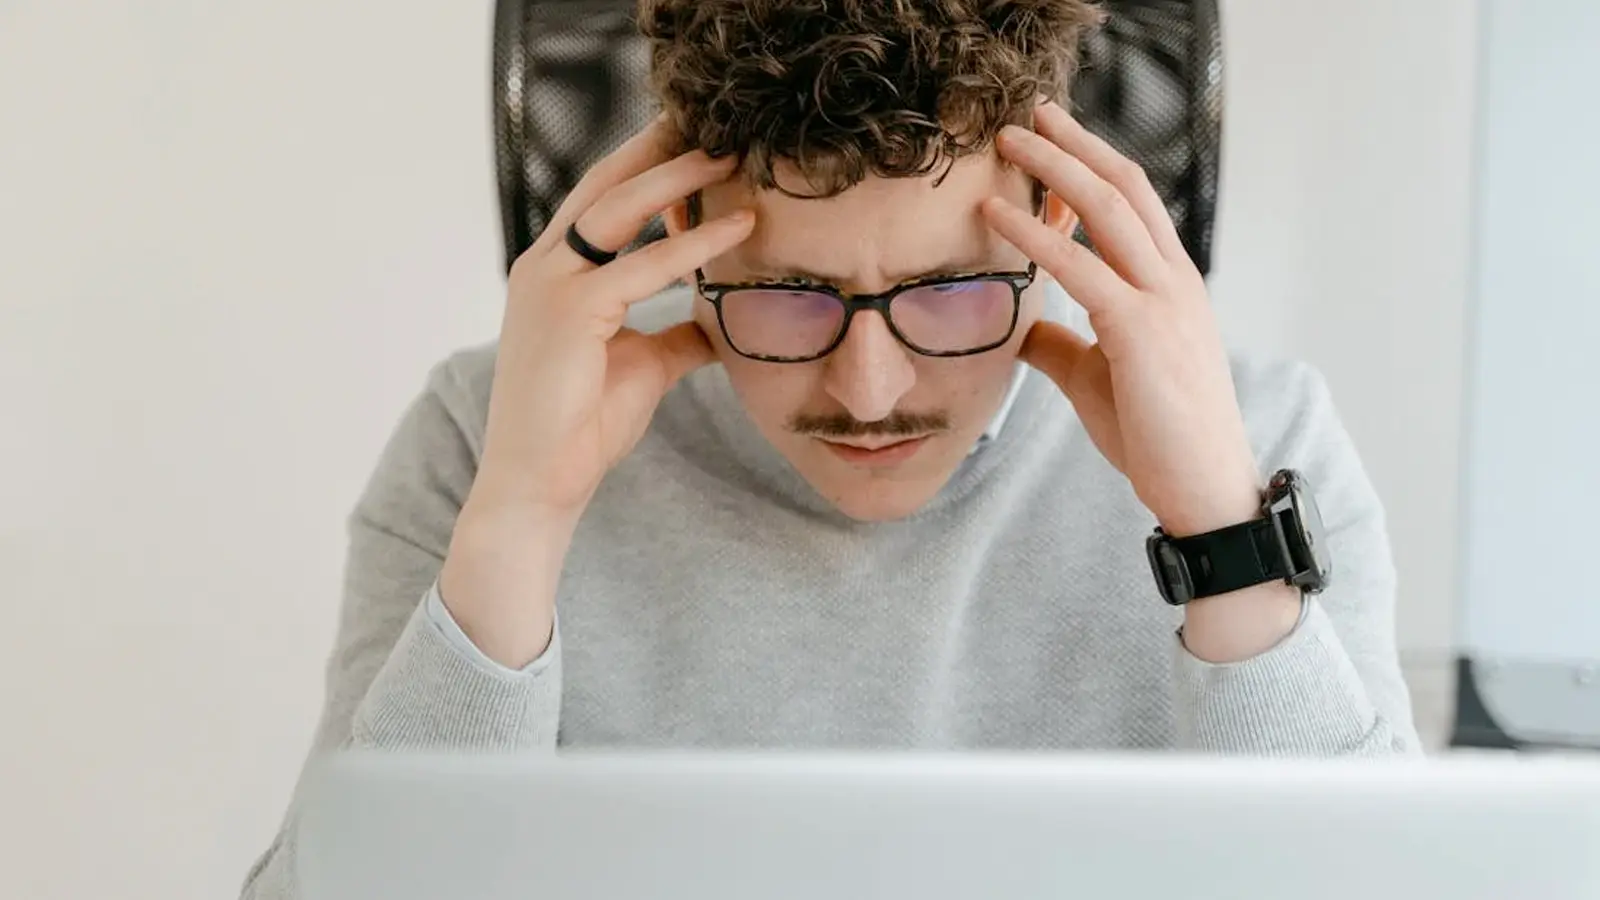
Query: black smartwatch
x=1285 y=544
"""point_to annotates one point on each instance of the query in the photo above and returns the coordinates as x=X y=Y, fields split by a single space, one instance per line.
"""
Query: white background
x=234 y=237
x=1532 y=407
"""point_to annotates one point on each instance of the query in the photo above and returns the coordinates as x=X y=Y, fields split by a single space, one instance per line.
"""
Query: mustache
x=841 y=425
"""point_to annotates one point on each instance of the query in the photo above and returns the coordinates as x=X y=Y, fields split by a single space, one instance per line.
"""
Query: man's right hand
x=573 y=389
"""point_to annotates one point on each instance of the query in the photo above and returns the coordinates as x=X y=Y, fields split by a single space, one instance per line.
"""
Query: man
x=874 y=481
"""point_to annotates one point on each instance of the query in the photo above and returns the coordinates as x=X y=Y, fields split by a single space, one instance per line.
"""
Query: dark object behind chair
x=570 y=85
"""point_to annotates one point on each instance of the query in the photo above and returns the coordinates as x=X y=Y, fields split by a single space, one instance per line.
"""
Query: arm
x=1333 y=685
x=1155 y=393
x=572 y=392
x=396 y=678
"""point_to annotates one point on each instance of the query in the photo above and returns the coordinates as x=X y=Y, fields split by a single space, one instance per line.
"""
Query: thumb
x=1055 y=350
x=682 y=349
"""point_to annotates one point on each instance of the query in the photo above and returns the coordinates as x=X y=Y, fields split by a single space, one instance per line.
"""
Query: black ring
x=588 y=251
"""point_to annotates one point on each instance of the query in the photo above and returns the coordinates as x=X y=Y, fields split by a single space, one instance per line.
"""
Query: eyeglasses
x=944 y=316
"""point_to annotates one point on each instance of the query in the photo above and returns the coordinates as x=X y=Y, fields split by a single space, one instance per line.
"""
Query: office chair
x=570 y=85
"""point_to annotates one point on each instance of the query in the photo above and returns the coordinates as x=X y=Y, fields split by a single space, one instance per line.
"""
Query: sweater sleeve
x=395 y=679
x=1333 y=687
x=434 y=610
x=438 y=690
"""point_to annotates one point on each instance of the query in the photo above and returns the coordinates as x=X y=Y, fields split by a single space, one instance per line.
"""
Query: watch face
x=1314 y=536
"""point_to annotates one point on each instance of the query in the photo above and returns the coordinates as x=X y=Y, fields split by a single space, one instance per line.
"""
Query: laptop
x=942 y=827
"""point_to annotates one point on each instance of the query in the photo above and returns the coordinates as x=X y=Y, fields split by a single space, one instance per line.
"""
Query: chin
x=884 y=506
x=884 y=495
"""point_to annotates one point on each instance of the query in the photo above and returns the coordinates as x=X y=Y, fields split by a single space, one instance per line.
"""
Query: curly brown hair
x=843 y=89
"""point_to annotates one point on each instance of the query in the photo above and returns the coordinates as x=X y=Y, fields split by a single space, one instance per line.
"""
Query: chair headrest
x=570 y=86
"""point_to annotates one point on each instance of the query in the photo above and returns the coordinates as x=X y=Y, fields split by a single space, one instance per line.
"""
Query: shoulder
x=1280 y=397
x=1293 y=422
x=459 y=386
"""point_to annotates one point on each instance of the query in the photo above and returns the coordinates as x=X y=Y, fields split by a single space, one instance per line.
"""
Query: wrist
x=512 y=494
x=1237 y=626
x=1212 y=511
x=1240 y=624
x=1233 y=494
x=500 y=577
x=492 y=515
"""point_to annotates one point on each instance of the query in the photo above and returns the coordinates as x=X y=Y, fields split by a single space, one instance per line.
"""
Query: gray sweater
x=712 y=599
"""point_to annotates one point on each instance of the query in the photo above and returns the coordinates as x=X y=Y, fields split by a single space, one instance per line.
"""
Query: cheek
x=966 y=388
x=771 y=393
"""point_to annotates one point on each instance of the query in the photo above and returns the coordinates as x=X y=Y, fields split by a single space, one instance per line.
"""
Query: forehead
x=879 y=231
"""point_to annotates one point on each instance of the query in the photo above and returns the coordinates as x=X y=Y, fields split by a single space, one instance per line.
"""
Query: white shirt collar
x=1004 y=412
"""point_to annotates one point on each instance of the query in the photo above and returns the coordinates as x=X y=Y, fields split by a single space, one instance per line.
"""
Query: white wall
x=1532 y=629
x=1532 y=409
x=1344 y=231
x=234 y=236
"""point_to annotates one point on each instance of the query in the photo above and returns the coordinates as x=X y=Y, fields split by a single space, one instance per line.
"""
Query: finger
x=647 y=148
x=1086 y=277
x=617 y=216
x=1108 y=217
x=1058 y=125
x=636 y=276
x=682 y=349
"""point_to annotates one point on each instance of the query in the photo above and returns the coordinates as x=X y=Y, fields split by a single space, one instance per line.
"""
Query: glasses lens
x=955 y=316
x=787 y=324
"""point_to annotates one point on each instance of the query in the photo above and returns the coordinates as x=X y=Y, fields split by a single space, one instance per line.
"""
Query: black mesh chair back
x=570 y=85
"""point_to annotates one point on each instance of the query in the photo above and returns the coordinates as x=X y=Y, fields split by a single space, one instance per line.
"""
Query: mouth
x=889 y=453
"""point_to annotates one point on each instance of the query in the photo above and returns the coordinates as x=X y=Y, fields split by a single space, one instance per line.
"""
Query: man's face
x=875 y=427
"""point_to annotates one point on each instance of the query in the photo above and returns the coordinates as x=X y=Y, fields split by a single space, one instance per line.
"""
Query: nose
x=869 y=371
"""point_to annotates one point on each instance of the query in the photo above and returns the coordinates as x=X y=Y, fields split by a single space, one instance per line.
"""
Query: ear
x=1058 y=215
x=676 y=218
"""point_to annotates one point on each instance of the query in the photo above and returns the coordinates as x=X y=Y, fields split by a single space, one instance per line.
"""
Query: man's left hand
x=1155 y=392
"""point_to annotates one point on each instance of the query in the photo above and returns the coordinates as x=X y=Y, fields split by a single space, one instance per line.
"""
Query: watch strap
x=1233 y=558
